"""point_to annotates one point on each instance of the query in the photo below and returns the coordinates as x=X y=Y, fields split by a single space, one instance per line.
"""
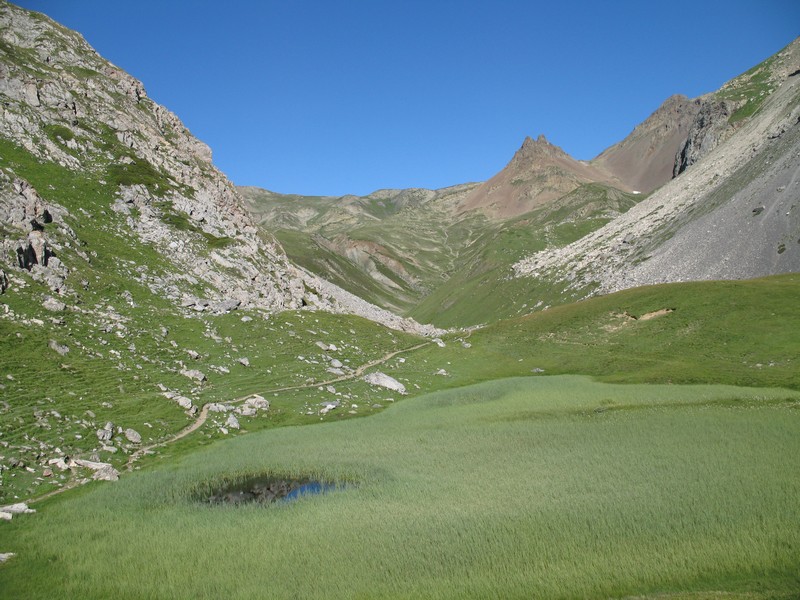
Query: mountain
x=392 y=246
x=645 y=159
x=64 y=105
x=730 y=213
x=538 y=174
x=134 y=286
x=527 y=238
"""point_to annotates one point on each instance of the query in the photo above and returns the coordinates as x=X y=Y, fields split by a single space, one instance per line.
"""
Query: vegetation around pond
x=536 y=488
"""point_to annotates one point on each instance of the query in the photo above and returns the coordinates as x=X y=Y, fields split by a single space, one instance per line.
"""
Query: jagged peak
x=537 y=150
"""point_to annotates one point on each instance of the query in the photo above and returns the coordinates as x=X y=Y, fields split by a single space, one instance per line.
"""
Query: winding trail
x=203 y=415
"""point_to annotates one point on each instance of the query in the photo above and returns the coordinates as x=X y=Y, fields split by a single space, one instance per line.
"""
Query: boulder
x=183 y=402
x=244 y=361
x=258 y=402
x=106 y=433
x=225 y=306
x=20 y=508
x=59 y=463
x=3 y=281
x=106 y=473
x=383 y=380
x=53 y=305
x=133 y=436
x=232 y=422
x=328 y=406
x=58 y=348
x=194 y=374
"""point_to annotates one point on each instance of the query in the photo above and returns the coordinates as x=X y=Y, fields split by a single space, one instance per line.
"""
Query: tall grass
x=531 y=488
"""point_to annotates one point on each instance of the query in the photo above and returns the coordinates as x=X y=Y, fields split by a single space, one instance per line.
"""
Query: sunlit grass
x=535 y=488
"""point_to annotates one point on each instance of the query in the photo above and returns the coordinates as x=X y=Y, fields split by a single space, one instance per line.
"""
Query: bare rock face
x=645 y=159
x=709 y=128
x=65 y=104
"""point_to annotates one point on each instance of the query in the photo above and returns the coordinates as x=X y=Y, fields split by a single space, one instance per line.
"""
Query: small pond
x=268 y=490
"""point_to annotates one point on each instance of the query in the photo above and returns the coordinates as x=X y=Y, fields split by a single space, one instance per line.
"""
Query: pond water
x=268 y=490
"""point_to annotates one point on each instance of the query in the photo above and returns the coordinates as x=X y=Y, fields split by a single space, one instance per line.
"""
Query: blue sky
x=327 y=98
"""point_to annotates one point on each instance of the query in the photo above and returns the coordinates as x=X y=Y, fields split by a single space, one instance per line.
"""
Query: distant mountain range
x=713 y=180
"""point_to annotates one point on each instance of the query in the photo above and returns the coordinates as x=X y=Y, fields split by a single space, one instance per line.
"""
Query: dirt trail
x=203 y=415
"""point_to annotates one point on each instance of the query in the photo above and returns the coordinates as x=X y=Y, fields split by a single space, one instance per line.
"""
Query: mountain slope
x=134 y=288
x=645 y=159
x=731 y=214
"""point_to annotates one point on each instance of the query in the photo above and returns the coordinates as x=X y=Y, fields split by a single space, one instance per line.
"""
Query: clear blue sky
x=327 y=97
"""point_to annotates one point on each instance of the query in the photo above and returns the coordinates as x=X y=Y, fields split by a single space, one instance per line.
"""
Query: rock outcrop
x=64 y=104
x=383 y=380
x=645 y=159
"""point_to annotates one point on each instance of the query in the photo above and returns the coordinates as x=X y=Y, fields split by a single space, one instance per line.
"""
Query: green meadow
x=549 y=487
x=669 y=468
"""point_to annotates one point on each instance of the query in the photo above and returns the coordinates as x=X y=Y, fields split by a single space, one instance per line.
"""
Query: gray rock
x=5 y=556
x=232 y=422
x=382 y=380
x=329 y=406
x=20 y=508
x=183 y=402
x=225 y=306
x=194 y=374
x=133 y=436
x=244 y=361
x=53 y=305
x=106 y=473
x=106 y=433
x=59 y=348
x=3 y=281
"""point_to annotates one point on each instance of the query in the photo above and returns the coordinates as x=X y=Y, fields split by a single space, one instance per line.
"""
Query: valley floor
x=528 y=487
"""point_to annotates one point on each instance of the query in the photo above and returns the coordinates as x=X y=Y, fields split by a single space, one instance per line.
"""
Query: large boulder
x=194 y=375
x=383 y=380
x=133 y=436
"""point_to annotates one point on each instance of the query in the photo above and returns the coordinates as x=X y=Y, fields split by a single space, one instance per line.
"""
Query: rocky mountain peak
x=63 y=105
x=538 y=173
x=538 y=147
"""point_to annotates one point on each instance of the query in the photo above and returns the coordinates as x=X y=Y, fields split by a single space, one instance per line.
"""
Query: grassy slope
x=735 y=332
x=118 y=354
x=535 y=488
x=483 y=289
x=461 y=267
